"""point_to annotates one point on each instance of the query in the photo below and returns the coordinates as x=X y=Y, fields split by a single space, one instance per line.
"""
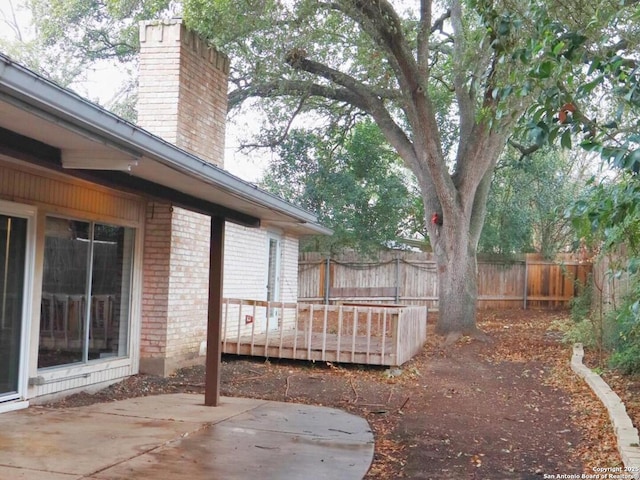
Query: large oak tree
x=444 y=81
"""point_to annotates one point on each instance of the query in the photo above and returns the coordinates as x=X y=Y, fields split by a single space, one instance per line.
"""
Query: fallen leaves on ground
x=540 y=341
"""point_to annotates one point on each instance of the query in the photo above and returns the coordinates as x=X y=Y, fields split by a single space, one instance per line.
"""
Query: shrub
x=626 y=355
x=591 y=326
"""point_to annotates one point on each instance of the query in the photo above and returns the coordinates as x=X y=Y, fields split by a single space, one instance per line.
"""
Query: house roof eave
x=44 y=98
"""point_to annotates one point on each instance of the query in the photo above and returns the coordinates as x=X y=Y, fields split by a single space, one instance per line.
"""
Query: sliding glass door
x=86 y=292
x=13 y=255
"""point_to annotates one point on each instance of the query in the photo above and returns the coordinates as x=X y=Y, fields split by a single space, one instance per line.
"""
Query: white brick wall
x=245 y=262
x=245 y=274
x=289 y=277
x=289 y=287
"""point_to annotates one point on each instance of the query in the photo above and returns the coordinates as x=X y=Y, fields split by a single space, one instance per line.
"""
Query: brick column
x=155 y=288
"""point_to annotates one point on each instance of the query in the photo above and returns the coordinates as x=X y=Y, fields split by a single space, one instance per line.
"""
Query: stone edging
x=626 y=434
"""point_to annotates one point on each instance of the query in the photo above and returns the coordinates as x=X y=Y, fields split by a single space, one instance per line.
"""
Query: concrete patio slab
x=79 y=441
x=178 y=407
x=175 y=436
x=24 y=474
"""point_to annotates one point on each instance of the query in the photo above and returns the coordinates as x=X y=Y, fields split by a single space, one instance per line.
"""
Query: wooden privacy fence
x=373 y=335
x=409 y=278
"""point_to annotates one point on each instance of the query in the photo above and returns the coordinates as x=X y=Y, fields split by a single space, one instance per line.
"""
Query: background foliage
x=568 y=70
x=529 y=194
x=355 y=183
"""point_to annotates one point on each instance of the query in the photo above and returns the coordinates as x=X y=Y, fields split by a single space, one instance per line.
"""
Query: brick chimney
x=182 y=98
x=182 y=93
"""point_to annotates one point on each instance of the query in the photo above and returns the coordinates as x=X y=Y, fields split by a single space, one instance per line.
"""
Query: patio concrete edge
x=626 y=434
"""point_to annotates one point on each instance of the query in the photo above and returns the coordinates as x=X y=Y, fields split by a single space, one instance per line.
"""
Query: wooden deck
x=365 y=334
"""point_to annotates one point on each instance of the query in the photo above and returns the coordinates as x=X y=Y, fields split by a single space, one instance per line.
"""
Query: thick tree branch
x=281 y=88
x=480 y=152
x=379 y=20
x=464 y=92
x=396 y=136
x=299 y=62
x=424 y=32
x=524 y=151
x=438 y=25
x=479 y=209
x=368 y=103
x=481 y=155
x=383 y=24
x=384 y=20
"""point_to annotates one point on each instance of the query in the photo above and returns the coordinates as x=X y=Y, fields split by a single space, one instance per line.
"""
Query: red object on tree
x=436 y=219
x=565 y=110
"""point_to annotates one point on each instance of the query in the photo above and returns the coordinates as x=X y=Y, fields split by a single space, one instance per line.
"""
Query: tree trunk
x=455 y=242
x=458 y=289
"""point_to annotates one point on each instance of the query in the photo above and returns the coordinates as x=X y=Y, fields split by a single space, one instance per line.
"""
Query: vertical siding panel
x=107 y=374
x=18 y=187
x=48 y=191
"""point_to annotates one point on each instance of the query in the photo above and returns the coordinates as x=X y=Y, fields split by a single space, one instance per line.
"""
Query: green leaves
x=543 y=70
x=526 y=203
x=593 y=69
x=92 y=29
x=355 y=183
x=565 y=139
x=212 y=19
x=609 y=215
x=607 y=218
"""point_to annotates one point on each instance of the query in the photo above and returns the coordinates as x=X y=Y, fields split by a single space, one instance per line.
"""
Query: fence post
x=327 y=280
x=526 y=279
x=397 y=279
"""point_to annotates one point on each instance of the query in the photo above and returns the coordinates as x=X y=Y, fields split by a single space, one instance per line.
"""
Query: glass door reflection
x=13 y=247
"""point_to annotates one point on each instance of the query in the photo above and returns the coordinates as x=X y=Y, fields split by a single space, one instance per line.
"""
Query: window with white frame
x=86 y=292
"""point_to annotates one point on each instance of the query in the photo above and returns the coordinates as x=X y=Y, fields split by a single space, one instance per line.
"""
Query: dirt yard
x=509 y=409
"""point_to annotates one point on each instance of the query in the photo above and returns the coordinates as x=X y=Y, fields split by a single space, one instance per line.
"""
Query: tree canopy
x=446 y=82
x=528 y=198
x=357 y=185
x=68 y=38
x=360 y=189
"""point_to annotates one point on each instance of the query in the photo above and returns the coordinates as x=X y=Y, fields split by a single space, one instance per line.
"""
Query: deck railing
x=63 y=317
x=367 y=334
